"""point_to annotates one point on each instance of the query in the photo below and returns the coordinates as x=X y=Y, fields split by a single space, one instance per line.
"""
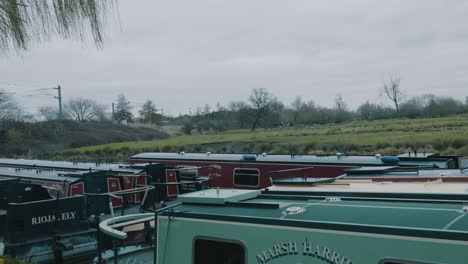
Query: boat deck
x=428 y=218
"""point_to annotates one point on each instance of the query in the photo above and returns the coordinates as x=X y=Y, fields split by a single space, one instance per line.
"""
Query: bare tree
x=340 y=104
x=100 y=112
x=261 y=100
x=24 y=21
x=6 y=103
x=241 y=112
x=9 y=107
x=393 y=92
x=83 y=109
x=49 y=113
x=341 y=110
x=297 y=107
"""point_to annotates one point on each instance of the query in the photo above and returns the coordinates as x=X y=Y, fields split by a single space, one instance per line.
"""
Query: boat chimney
x=264 y=154
x=208 y=153
x=181 y=153
x=338 y=155
x=378 y=156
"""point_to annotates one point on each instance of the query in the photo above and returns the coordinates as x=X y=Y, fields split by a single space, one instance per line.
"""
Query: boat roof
x=40 y=174
x=423 y=217
x=73 y=166
x=315 y=159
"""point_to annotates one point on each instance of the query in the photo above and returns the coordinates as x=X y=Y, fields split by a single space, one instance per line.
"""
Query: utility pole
x=113 y=111
x=59 y=97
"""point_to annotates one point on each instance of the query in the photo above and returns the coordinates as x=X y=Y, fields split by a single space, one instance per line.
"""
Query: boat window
x=218 y=251
x=403 y=261
x=188 y=171
x=247 y=177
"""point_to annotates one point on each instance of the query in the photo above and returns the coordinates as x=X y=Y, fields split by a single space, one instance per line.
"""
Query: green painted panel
x=177 y=235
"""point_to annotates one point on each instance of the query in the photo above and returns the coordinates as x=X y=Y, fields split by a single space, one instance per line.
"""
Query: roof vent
x=338 y=155
x=208 y=153
x=385 y=182
x=378 y=156
x=293 y=210
x=264 y=154
x=333 y=199
x=249 y=157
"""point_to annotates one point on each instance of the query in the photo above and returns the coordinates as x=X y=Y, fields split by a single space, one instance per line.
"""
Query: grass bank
x=446 y=134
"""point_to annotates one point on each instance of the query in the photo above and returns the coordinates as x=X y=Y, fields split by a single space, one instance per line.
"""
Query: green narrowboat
x=229 y=226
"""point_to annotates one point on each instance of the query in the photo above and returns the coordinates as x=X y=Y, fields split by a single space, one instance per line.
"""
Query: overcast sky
x=183 y=54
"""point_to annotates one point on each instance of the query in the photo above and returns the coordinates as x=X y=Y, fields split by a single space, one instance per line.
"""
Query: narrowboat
x=249 y=171
x=72 y=183
x=268 y=227
x=38 y=228
x=42 y=220
x=123 y=176
x=72 y=178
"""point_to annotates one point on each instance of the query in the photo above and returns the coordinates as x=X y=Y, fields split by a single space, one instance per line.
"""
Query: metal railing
x=108 y=227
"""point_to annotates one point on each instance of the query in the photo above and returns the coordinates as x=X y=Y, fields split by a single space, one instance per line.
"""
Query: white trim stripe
x=454 y=221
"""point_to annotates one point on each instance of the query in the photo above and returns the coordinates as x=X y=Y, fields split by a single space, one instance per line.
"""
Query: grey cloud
x=187 y=53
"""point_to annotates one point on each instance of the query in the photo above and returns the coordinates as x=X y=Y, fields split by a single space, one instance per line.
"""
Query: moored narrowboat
x=249 y=226
x=249 y=171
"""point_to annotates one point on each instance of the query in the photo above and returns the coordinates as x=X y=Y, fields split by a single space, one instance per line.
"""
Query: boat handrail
x=180 y=182
x=108 y=228
x=123 y=192
x=120 y=195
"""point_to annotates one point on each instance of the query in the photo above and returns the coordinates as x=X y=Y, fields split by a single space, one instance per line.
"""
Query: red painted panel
x=171 y=176
x=113 y=185
x=222 y=172
x=77 y=189
x=128 y=184
x=140 y=181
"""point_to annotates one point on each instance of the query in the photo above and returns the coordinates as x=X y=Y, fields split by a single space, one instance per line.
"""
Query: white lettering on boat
x=284 y=249
x=45 y=219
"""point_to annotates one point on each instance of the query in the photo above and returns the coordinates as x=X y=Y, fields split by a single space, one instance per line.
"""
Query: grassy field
x=447 y=134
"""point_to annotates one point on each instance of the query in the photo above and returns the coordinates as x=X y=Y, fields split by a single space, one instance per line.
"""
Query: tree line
x=81 y=109
x=263 y=109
